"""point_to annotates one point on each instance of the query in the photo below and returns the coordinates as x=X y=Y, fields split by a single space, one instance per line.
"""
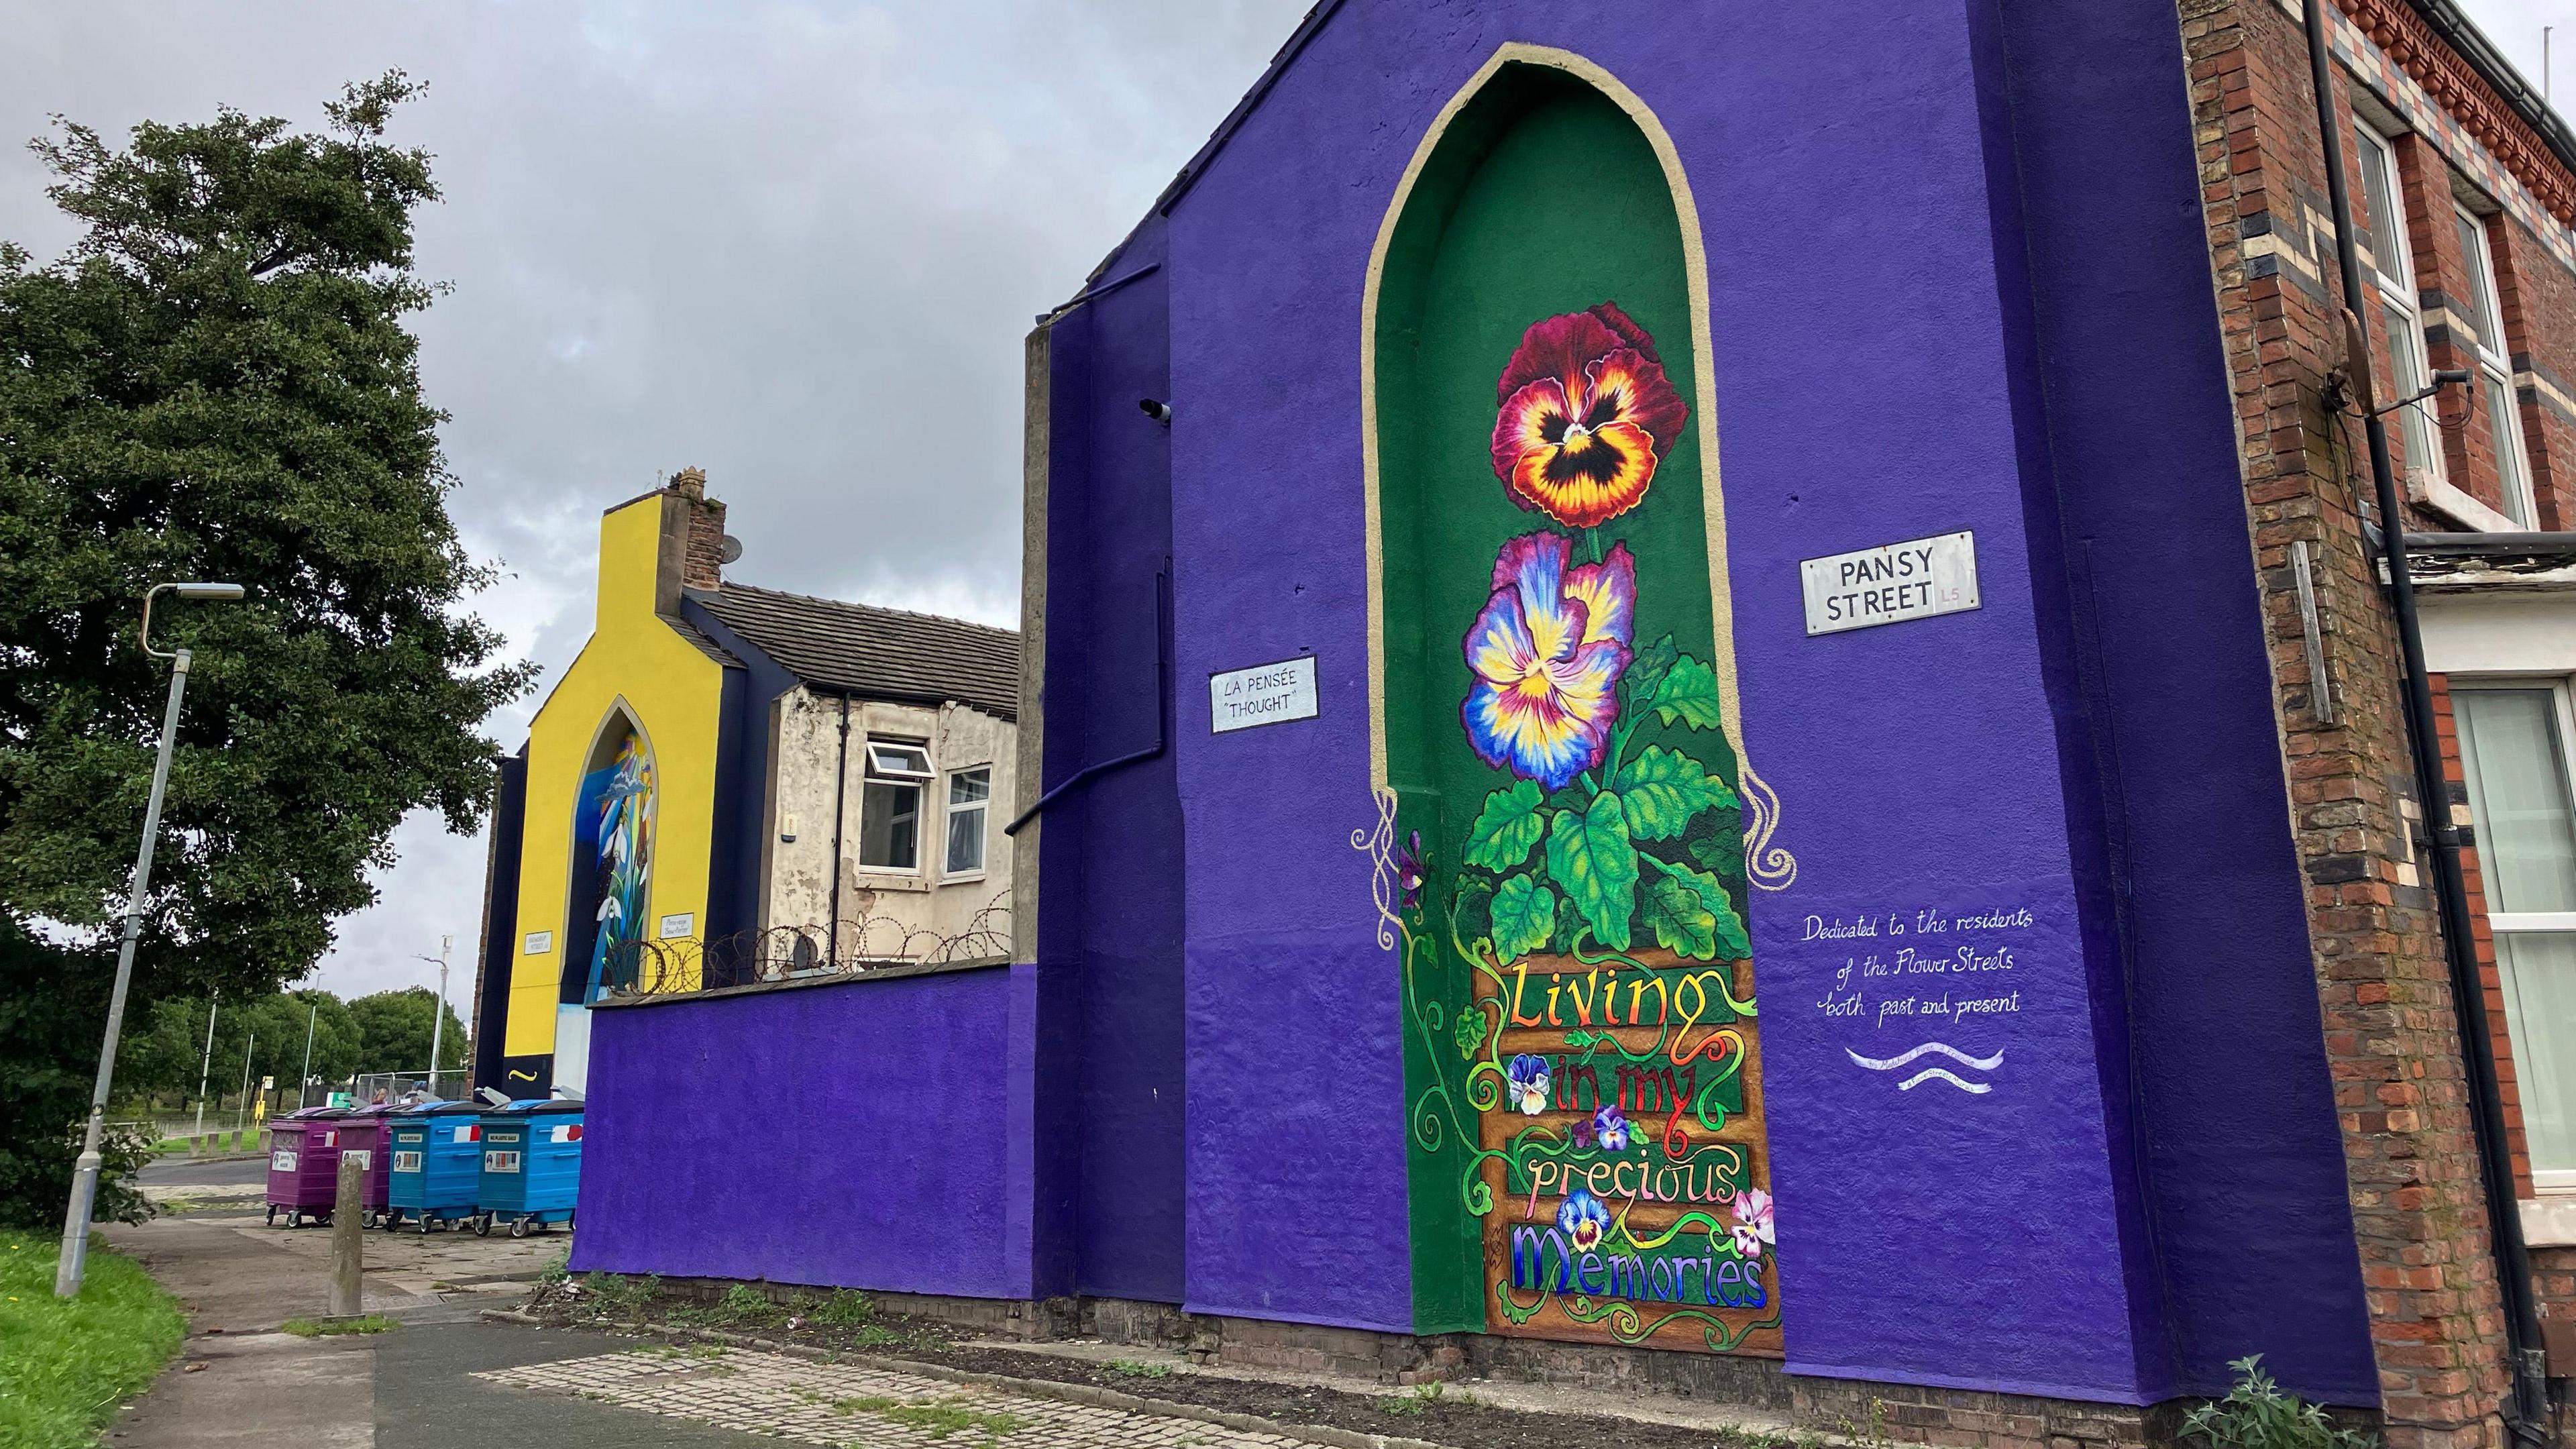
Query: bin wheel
x=272 y=1215
x=294 y=1219
x=545 y=1227
x=367 y=1219
x=518 y=1227
x=424 y=1225
x=483 y=1226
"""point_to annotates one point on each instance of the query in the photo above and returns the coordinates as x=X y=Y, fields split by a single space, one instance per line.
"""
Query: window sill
x=875 y=880
x=2549 y=1220
x=969 y=878
x=2446 y=499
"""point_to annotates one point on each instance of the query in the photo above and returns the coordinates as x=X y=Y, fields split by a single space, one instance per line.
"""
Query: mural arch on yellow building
x=613 y=838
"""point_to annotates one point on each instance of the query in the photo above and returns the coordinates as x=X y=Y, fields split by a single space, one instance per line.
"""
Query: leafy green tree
x=217 y=382
x=394 y=1031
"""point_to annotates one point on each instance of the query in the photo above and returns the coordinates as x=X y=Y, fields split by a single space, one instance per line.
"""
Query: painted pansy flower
x=1583 y=1220
x=1610 y=1127
x=1412 y=869
x=1547 y=653
x=1527 y=1078
x=1753 y=1231
x=1587 y=414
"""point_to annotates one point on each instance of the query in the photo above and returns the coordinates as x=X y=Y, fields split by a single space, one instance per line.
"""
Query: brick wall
x=2391 y=1034
x=2538 y=298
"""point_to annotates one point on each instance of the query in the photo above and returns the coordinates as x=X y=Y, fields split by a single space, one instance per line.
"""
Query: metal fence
x=783 y=953
x=447 y=1084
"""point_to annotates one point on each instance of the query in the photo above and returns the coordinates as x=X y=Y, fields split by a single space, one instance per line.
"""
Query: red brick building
x=2462 y=190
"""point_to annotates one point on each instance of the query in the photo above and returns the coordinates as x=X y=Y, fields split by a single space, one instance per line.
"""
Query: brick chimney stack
x=702 y=560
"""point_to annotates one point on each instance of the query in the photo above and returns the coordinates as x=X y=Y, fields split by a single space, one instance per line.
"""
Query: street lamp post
x=206 y=1068
x=438 y=1014
x=75 y=1252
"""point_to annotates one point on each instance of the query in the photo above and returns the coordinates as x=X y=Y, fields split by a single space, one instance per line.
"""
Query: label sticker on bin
x=568 y=1132
x=470 y=1132
x=361 y=1156
x=500 y=1162
x=281 y=1161
x=406 y=1162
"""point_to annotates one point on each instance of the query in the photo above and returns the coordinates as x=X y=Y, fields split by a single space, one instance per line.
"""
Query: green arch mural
x=1554 y=706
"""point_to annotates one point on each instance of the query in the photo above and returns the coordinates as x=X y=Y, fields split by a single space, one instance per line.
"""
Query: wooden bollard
x=348 y=1240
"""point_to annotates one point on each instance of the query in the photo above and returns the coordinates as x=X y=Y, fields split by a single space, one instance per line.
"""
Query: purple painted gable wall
x=855 y=1134
x=1878 y=378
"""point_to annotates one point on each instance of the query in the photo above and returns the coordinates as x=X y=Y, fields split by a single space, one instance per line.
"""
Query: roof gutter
x=2462 y=35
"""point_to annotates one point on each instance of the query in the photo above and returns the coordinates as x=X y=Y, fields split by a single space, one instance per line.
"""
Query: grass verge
x=64 y=1366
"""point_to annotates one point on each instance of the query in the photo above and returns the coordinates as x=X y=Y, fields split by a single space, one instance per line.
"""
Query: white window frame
x=982 y=808
x=2503 y=923
x=2495 y=375
x=883 y=762
x=2392 y=265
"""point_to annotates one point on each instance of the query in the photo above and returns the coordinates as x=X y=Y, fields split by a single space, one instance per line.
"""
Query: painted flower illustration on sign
x=1587 y=414
x=1547 y=653
x=1412 y=869
x=1753 y=1231
x=1610 y=1128
x=1583 y=1220
x=1528 y=1082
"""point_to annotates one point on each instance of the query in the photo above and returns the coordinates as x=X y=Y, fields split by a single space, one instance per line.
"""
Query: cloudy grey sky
x=794 y=243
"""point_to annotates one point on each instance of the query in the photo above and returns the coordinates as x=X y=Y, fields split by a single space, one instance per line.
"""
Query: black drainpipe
x=840 y=812
x=1162 y=711
x=2526 y=1408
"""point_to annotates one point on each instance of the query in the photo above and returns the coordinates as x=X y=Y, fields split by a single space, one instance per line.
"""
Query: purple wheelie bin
x=363 y=1131
x=304 y=1164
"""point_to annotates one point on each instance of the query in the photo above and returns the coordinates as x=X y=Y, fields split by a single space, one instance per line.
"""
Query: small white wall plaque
x=675 y=927
x=1265 y=694
x=540 y=942
x=1890 y=584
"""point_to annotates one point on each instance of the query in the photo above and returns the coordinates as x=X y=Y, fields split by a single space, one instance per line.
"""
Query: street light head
x=185 y=591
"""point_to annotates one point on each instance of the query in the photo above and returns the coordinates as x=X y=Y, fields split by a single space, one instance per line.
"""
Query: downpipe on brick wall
x=2526 y=1407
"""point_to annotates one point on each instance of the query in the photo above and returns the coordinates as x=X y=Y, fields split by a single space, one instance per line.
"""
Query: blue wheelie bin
x=436 y=1164
x=531 y=1165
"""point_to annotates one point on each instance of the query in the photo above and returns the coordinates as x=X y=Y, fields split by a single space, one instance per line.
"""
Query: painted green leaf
x=1649 y=668
x=1524 y=917
x=1688 y=695
x=1692 y=916
x=1682 y=924
x=1469 y=1033
x=1590 y=857
x=1663 y=789
x=1507 y=827
x=1722 y=849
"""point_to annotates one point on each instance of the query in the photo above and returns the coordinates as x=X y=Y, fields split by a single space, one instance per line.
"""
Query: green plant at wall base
x=335 y=1327
x=64 y=1365
x=2257 y=1415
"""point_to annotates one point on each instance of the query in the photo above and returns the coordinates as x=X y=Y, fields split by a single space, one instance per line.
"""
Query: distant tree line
x=389 y=1031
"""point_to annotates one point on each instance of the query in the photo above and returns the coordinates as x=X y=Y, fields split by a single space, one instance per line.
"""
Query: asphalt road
x=184 y=1172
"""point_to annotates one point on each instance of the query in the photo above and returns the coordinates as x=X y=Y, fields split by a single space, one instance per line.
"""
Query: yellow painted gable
x=636 y=663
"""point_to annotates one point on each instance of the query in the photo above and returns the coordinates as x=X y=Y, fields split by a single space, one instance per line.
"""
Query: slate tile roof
x=875 y=653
